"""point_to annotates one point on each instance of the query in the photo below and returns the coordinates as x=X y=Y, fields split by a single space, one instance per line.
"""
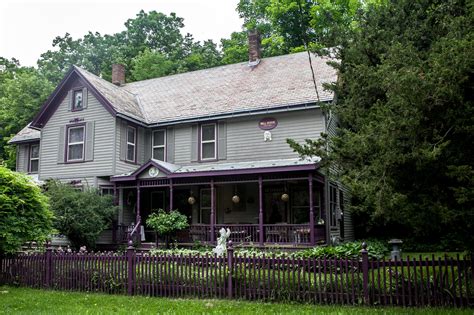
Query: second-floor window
x=75 y=143
x=131 y=143
x=208 y=142
x=159 y=145
x=77 y=102
x=34 y=158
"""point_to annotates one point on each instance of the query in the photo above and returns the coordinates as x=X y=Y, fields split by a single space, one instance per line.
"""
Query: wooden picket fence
x=407 y=282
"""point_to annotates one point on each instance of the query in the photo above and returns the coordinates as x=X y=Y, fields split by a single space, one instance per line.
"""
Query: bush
x=24 y=211
x=80 y=215
x=167 y=223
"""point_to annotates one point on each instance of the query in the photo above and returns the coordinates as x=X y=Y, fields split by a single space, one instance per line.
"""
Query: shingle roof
x=26 y=134
x=276 y=81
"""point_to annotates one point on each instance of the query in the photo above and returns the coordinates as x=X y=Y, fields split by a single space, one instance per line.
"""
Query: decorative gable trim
x=49 y=107
x=140 y=170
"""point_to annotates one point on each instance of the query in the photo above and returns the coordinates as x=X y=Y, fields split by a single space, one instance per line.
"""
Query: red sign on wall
x=267 y=123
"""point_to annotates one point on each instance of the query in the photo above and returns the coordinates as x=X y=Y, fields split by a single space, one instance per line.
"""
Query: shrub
x=167 y=223
x=24 y=211
x=80 y=215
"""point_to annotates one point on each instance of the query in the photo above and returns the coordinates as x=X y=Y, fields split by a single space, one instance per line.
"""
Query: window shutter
x=26 y=158
x=170 y=145
x=222 y=142
x=140 y=146
x=148 y=135
x=84 y=98
x=123 y=140
x=69 y=100
x=89 y=143
x=194 y=142
x=61 y=145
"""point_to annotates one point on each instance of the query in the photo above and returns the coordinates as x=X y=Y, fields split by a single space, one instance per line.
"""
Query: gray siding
x=102 y=163
x=332 y=125
x=22 y=158
x=245 y=139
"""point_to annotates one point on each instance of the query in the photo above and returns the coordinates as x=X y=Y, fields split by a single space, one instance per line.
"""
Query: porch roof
x=219 y=169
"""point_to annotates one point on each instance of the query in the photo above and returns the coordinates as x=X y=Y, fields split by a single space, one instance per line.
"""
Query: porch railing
x=249 y=233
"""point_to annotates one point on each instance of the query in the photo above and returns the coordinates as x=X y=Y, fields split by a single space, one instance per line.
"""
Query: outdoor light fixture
x=235 y=199
x=191 y=199
x=285 y=197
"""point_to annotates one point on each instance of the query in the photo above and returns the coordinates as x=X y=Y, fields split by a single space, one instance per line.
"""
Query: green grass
x=31 y=301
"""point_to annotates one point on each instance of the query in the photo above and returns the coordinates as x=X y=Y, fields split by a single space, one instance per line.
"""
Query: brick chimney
x=255 y=52
x=118 y=74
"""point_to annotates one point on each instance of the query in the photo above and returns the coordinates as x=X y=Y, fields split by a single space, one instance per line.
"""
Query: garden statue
x=221 y=247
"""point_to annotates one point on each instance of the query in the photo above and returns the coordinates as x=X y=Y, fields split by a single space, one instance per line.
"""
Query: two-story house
x=210 y=143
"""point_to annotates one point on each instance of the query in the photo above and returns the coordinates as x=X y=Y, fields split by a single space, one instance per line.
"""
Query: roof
x=247 y=167
x=26 y=134
x=276 y=83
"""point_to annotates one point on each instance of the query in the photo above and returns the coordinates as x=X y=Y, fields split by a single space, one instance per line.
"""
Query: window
x=208 y=142
x=34 y=158
x=131 y=143
x=75 y=143
x=205 y=206
x=333 y=205
x=159 y=145
x=106 y=191
x=77 y=101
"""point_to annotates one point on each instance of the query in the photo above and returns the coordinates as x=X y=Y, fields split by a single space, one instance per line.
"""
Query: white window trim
x=33 y=159
x=209 y=141
x=132 y=144
x=76 y=143
x=158 y=146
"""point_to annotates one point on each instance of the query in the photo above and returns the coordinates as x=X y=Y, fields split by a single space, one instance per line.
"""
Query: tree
x=406 y=120
x=22 y=91
x=166 y=224
x=80 y=215
x=149 y=64
x=24 y=211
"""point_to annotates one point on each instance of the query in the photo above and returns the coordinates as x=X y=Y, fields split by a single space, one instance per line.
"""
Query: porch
x=266 y=207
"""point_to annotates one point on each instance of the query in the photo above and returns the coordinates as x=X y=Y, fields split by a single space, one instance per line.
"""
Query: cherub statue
x=221 y=247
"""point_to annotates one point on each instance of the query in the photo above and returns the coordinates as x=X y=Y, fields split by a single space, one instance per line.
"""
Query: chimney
x=118 y=74
x=255 y=52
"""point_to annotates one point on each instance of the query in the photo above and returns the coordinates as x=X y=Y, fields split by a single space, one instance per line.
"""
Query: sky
x=28 y=27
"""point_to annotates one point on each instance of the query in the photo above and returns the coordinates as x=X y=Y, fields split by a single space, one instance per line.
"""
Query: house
x=210 y=143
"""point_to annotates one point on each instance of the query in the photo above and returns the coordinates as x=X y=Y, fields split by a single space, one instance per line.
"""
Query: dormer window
x=78 y=100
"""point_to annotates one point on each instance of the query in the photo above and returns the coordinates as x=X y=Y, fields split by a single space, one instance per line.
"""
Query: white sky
x=28 y=27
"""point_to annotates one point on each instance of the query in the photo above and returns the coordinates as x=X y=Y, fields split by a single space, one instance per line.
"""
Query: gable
x=72 y=80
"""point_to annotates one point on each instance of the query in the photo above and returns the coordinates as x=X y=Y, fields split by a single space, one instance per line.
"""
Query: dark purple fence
x=407 y=282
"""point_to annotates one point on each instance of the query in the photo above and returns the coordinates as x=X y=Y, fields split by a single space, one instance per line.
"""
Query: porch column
x=213 y=217
x=260 y=211
x=138 y=218
x=171 y=194
x=311 y=210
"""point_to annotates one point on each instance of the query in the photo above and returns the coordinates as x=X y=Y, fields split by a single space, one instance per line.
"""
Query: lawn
x=31 y=301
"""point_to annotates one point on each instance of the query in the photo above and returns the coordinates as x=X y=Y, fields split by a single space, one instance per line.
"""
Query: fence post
x=48 y=264
x=365 y=272
x=131 y=267
x=230 y=268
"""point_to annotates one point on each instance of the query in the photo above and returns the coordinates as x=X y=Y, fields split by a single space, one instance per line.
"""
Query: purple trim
x=213 y=216
x=260 y=210
x=50 y=106
x=311 y=210
x=66 y=146
x=260 y=170
x=134 y=175
x=268 y=123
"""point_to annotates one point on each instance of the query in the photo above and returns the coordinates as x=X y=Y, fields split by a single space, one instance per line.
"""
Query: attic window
x=77 y=102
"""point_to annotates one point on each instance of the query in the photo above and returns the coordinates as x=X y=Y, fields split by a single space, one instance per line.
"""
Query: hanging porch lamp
x=191 y=199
